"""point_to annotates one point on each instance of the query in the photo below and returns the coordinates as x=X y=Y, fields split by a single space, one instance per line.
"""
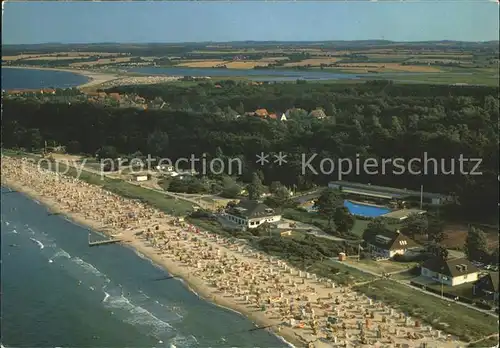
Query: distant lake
x=252 y=74
x=38 y=79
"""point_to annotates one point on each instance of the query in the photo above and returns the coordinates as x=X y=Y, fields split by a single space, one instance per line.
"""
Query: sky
x=201 y=21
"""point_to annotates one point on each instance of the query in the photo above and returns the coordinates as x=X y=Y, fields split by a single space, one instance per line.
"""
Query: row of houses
x=125 y=100
x=264 y=114
x=250 y=214
x=450 y=272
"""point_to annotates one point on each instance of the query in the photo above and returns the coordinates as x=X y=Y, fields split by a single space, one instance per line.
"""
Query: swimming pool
x=365 y=210
x=362 y=209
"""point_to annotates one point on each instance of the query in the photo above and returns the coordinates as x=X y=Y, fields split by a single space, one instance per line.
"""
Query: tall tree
x=255 y=188
x=107 y=152
x=230 y=189
x=376 y=226
x=476 y=245
x=415 y=225
x=438 y=251
x=343 y=220
x=435 y=231
x=327 y=203
x=158 y=143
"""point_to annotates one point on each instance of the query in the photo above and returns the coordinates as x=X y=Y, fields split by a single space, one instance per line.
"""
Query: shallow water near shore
x=38 y=79
x=56 y=291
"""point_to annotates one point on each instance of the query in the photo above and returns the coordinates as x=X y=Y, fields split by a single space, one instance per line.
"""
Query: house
x=386 y=246
x=450 y=272
x=318 y=113
x=262 y=113
x=294 y=112
x=277 y=117
x=140 y=177
x=139 y=99
x=487 y=286
x=115 y=96
x=48 y=91
x=251 y=214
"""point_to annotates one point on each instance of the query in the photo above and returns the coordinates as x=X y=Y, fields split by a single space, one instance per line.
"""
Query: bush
x=411 y=258
x=483 y=305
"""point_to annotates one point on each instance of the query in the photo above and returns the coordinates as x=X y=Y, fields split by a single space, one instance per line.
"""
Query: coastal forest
x=376 y=120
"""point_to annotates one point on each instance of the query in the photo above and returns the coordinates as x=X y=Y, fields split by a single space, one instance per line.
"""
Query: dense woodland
x=375 y=119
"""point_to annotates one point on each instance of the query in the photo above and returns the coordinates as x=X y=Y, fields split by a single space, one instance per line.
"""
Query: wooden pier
x=103 y=242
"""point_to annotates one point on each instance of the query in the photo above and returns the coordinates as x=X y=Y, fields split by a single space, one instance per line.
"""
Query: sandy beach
x=304 y=309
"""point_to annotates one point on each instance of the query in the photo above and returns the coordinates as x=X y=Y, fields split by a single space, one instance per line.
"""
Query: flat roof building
x=387 y=192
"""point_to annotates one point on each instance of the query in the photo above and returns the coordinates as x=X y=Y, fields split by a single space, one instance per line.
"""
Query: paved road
x=407 y=283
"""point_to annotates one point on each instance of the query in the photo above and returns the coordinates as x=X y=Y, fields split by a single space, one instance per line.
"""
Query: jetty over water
x=103 y=242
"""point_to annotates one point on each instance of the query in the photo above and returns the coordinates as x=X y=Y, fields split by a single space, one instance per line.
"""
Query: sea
x=58 y=292
x=37 y=79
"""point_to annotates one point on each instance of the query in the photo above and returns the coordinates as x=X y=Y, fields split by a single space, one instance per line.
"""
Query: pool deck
x=403 y=213
x=368 y=204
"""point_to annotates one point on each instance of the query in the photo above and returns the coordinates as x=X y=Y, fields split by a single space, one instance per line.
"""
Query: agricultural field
x=199 y=63
x=386 y=67
x=102 y=61
x=313 y=62
x=59 y=56
x=428 y=62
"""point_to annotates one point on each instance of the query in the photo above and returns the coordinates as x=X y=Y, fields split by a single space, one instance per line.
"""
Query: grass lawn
x=450 y=317
x=305 y=217
x=317 y=220
x=407 y=275
x=381 y=266
x=359 y=227
x=488 y=342
x=463 y=290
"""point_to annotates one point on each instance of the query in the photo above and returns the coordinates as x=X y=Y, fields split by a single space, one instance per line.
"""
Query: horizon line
x=244 y=41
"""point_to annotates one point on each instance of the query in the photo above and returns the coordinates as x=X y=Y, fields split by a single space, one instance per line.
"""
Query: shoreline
x=192 y=284
x=202 y=260
x=94 y=78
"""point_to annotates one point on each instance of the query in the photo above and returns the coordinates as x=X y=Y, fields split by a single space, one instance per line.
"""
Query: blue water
x=361 y=209
x=38 y=79
x=365 y=210
x=56 y=291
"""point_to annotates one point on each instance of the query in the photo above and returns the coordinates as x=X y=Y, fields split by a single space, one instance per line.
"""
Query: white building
x=251 y=214
x=141 y=177
x=387 y=246
x=450 y=272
